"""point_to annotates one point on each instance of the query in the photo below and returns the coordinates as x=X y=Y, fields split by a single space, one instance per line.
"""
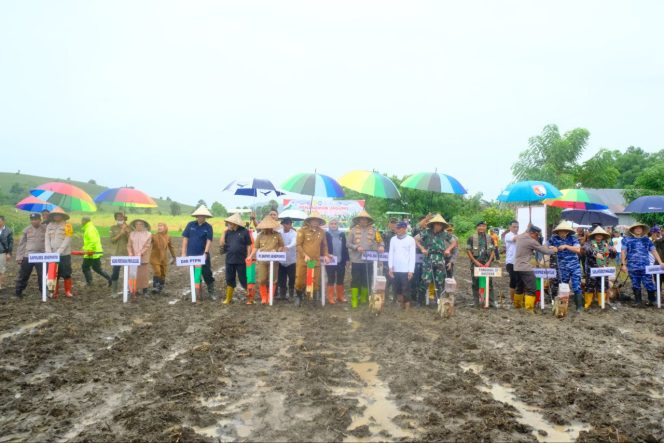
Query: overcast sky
x=178 y=98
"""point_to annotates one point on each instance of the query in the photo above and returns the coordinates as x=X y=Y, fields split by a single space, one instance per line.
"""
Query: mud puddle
x=532 y=416
x=28 y=327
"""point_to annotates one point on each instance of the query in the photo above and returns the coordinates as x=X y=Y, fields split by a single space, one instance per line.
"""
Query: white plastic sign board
x=602 y=272
x=654 y=269
x=270 y=256
x=488 y=272
x=545 y=272
x=375 y=256
x=194 y=260
x=125 y=261
x=534 y=214
x=44 y=258
x=333 y=261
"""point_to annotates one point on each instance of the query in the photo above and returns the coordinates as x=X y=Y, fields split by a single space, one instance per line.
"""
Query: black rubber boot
x=578 y=299
x=652 y=298
x=155 y=285
x=210 y=290
x=299 y=296
x=637 y=297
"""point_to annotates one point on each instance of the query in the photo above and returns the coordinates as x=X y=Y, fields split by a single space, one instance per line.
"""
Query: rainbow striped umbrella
x=315 y=184
x=68 y=197
x=575 y=199
x=434 y=182
x=126 y=197
x=34 y=204
x=370 y=183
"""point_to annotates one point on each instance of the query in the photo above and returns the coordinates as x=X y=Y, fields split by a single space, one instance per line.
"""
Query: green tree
x=600 y=171
x=201 y=202
x=175 y=208
x=552 y=157
x=218 y=210
x=631 y=164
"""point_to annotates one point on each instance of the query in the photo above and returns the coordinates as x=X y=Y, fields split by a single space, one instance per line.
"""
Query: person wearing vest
x=236 y=243
x=436 y=244
x=481 y=252
x=58 y=240
x=362 y=237
x=268 y=240
x=635 y=257
x=566 y=261
x=336 y=245
x=92 y=251
x=32 y=242
x=311 y=246
x=597 y=254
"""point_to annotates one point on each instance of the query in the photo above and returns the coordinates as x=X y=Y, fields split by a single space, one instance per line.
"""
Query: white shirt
x=510 y=247
x=290 y=242
x=402 y=254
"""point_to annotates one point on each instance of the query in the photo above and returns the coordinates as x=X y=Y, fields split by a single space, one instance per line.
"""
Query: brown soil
x=93 y=369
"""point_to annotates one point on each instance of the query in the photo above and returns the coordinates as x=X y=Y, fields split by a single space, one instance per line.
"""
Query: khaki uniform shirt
x=271 y=242
x=32 y=241
x=311 y=242
x=58 y=238
x=119 y=246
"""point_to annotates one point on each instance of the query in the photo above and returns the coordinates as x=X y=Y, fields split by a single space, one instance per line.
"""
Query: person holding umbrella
x=268 y=240
x=311 y=245
x=481 y=252
x=92 y=252
x=139 y=245
x=566 y=261
x=197 y=240
x=32 y=242
x=634 y=257
x=236 y=244
x=119 y=234
x=362 y=237
x=436 y=244
x=58 y=240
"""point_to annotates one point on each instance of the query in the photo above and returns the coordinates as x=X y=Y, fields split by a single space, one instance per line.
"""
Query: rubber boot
x=353 y=298
x=56 y=290
x=364 y=295
x=263 y=291
x=529 y=302
x=588 y=300
x=229 y=296
x=68 y=286
x=162 y=283
x=155 y=284
x=578 y=299
x=652 y=298
x=210 y=291
x=114 y=288
x=298 y=298
x=341 y=298
x=251 y=293
x=518 y=301
x=330 y=295
x=637 y=297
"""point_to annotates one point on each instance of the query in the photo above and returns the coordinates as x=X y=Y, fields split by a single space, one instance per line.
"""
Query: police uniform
x=268 y=240
x=32 y=242
x=311 y=242
x=369 y=239
x=58 y=240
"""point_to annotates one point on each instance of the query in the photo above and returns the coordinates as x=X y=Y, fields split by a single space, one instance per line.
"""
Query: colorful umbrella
x=252 y=187
x=68 y=197
x=582 y=217
x=126 y=197
x=434 y=182
x=528 y=191
x=648 y=204
x=34 y=204
x=575 y=199
x=370 y=183
x=315 y=184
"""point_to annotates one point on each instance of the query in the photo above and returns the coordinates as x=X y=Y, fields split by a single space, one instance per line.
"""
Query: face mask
x=120 y=222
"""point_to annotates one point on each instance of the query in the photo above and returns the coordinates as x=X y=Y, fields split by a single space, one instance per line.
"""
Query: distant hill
x=11 y=181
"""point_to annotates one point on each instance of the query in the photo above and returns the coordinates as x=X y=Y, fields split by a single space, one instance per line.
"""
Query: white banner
x=602 y=272
x=194 y=260
x=44 y=258
x=270 y=256
x=545 y=272
x=125 y=261
x=375 y=256
x=488 y=272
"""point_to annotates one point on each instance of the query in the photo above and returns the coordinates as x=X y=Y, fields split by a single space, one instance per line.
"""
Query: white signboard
x=375 y=256
x=654 y=269
x=545 y=272
x=488 y=272
x=602 y=272
x=270 y=256
x=535 y=215
x=44 y=258
x=125 y=261
x=333 y=260
x=194 y=260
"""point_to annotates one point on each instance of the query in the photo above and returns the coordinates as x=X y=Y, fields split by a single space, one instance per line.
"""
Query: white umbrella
x=294 y=214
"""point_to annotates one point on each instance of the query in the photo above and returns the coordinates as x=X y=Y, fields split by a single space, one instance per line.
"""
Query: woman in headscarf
x=140 y=241
x=161 y=246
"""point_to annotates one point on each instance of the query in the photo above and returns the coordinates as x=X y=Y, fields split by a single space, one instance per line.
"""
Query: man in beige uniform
x=526 y=244
x=58 y=241
x=268 y=240
x=311 y=245
x=32 y=242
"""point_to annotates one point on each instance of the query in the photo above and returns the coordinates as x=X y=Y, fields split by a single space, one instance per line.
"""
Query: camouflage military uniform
x=433 y=264
x=480 y=247
x=592 y=248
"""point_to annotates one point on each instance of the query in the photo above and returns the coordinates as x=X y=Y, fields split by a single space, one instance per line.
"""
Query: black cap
x=394 y=220
x=481 y=222
x=534 y=229
x=35 y=216
x=286 y=221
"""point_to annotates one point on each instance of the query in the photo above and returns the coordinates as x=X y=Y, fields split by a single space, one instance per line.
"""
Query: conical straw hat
x=362 y=214
x=235 y=219
x=599 y=231
x=58 y=211
x=268 y=223
x=564 y=226
x=202 y=210
x=317 y=216
x=438 y=219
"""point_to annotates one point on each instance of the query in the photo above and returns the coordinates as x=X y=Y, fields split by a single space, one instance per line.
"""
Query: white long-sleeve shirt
x=290 y=242
x=402 y=254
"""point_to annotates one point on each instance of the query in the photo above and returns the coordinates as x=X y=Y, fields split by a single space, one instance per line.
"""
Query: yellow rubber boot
x=229 y=296
x=530 y=302
x=518 y=301
x=587 y=300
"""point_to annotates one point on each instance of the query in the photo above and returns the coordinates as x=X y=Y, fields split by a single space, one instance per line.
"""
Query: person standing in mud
x=92 y=251
x=119 y=234
x=336 y=245
x=139 y=244
x=435 y=244
x=311 y=245
x=634 y=257
x=419 y=258
x=526 y=245
x=286 y=278
x=510 y=251
x=597 y=254
x=450 y=261
x=362 y=237
x=161 y=246
x=481 y=252
x=32 y=242
x=6 y=247
x=236 y=243
x=58 y=241
x=566 y=262
x=268 y=240
x=390 y=233
x=197 y=240
x=401 y=262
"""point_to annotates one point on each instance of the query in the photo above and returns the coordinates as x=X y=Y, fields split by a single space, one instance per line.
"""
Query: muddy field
x=162 y=369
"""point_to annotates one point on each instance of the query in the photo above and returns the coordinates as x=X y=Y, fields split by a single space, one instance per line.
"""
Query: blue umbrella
x=251 y=188
x=648 y=204
x=529 y=191
x=588 y=217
